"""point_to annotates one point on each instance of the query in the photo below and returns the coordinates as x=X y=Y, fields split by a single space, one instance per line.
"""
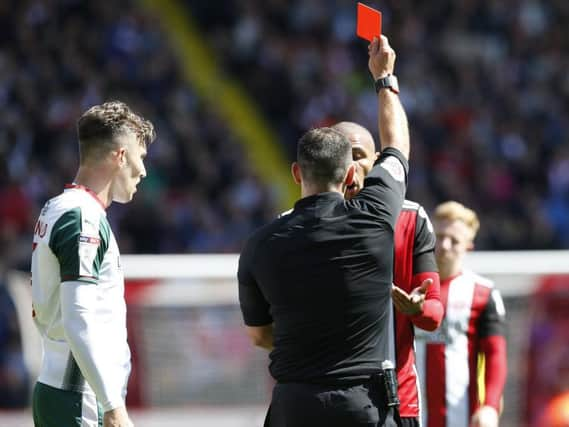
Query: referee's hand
x=381 y=57
x=410 y=303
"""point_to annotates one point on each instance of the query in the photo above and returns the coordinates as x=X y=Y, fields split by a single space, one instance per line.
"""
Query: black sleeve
x=493 y=319
x=425 y=262
x=385 y=186
x=424 y=246
x=254 y=306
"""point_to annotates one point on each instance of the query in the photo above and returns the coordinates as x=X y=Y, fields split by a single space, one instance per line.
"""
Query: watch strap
x=388 y=82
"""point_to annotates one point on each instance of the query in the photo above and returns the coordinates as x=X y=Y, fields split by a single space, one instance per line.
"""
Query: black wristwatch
x=388 y=82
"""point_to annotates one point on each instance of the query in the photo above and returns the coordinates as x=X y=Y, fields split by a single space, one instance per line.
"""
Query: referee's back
x=322 y=274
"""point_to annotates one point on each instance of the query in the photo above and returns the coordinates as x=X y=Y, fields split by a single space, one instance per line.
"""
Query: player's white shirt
x=447 y=357
x=74 y=242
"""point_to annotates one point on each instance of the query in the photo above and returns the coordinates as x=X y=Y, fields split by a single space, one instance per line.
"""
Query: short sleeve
x=424 y=246
x=254 y=306
x=79 y=248
x=385 y=186
x=492 y=321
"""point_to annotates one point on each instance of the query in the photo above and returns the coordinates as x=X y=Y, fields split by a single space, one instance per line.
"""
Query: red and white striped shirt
x=447 y=358
x=414 y=262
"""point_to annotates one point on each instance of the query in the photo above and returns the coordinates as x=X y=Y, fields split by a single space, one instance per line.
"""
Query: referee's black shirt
x=322 y=274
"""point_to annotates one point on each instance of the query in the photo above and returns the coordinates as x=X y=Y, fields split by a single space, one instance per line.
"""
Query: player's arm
x=425 y=267
x=491 y=330
x=88 y=346
x=493 y=345
x=254 y=307
x=80 y=252
x=423 y=303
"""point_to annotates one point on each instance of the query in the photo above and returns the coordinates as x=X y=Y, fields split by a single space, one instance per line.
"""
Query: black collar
x=315 y=199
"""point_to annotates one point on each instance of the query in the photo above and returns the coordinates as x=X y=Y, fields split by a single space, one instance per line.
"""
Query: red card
x=369 y=22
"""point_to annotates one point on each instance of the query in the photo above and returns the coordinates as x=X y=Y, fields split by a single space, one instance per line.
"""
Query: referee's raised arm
x=393 y=127
x=386 y=184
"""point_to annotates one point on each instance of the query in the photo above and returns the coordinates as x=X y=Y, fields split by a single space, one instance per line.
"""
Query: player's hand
x=410 y=303
x=381 y=58
x=117 y=418
x=485 y=416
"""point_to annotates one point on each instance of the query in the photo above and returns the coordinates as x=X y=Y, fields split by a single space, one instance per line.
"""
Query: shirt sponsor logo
x=394 y=167
x=89 y=239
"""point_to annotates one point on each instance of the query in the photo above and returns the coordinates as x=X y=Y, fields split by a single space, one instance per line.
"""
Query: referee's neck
x=307 y=191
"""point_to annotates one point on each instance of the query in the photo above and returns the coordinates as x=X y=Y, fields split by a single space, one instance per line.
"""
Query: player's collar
x=88 y=190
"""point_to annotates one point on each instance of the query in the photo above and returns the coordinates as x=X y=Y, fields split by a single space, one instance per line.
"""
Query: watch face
x=387 y=82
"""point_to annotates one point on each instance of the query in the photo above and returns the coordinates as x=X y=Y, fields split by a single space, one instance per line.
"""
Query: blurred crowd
x=484 y=82
x=57 y=58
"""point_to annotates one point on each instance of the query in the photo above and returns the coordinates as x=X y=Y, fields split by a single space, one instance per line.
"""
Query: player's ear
x=377 y=153
x=118 y=157
x=121 y=153
x=295 y=171
x=350 y=173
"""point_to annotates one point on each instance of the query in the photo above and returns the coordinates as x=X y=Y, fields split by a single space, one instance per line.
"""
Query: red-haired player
x=473 y=324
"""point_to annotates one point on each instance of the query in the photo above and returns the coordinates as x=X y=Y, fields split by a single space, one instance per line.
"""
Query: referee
x=315 y=284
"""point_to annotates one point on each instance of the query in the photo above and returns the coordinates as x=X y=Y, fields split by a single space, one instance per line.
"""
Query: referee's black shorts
x=310 y=405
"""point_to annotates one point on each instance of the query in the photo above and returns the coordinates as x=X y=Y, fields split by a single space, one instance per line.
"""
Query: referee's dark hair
x=324 y=155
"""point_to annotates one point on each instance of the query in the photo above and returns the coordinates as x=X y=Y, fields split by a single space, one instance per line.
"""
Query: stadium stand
x=483 y=82
x=57 y=59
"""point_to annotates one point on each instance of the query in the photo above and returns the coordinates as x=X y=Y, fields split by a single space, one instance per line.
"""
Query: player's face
x=132 y=169
x=454 y=239
x=364 y=156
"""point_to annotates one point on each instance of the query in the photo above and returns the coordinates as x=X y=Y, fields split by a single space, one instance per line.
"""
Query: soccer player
x=473 y=324
x=416 y=292
x=77 y=281
x=315 y=284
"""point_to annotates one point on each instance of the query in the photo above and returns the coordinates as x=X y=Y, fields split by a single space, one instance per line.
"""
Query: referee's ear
x=295 y=171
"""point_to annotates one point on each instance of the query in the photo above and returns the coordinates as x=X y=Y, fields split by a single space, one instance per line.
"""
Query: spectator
x=470 y=85
x=58 y=58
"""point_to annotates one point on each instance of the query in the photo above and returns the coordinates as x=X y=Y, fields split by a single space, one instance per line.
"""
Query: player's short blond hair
x=454 y=211
x=100 y=124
